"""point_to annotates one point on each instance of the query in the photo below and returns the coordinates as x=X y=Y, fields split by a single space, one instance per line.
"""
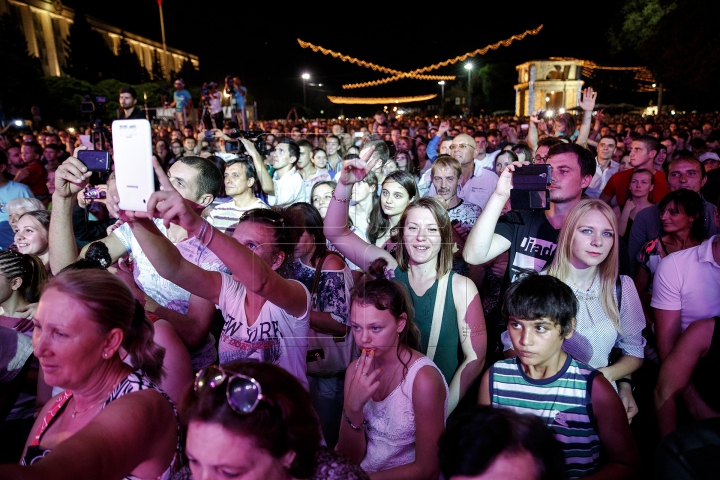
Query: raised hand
x=354 y=170
x=169 y=205
x=587 y=99
x=71 y=176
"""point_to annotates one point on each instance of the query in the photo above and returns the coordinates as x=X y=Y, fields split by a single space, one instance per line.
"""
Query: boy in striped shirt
x=576 y=402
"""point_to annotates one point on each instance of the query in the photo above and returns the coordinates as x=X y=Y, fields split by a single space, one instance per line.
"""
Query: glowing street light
x=305 y=78
x=442 y=95
x=469 y=67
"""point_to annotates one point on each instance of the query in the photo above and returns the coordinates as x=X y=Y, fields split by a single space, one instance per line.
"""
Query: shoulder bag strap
x=437 y=316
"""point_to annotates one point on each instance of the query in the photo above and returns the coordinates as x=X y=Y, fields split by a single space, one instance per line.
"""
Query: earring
x=105 y=354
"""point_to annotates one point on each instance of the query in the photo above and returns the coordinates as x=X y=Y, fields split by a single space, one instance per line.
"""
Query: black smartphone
x=95 y=160
x=530 y=190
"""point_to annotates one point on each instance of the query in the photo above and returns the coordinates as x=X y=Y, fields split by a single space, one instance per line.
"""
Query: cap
x=709 y=156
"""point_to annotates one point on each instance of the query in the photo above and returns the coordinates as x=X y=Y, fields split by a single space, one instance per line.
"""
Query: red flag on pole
x=159 y=3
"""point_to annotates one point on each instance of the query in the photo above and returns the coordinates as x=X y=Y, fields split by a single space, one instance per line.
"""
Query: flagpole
x=162 y=30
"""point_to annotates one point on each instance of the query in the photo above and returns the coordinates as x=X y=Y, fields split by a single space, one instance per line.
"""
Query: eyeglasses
x=243 y=393
x=539 y=159
x=460 y=146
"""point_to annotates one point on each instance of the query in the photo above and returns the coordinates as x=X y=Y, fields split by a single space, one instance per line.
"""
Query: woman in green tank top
x=422 y=262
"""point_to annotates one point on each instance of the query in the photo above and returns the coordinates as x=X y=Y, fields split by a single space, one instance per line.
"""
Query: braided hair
x=27 y=267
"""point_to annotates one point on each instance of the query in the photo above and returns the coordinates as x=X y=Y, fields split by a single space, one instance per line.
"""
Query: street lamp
x=469 y=67
x=442 y=95
x=305 y=78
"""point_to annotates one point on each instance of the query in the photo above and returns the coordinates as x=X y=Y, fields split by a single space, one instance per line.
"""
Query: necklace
x=76 y=412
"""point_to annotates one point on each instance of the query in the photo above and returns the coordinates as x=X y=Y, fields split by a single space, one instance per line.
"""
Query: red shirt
x=34 y=176
x=619 y=186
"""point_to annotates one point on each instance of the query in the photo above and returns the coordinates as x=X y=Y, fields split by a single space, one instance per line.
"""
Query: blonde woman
x=610 y=314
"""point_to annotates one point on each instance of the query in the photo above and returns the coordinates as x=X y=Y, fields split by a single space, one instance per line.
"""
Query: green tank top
x=448 y=355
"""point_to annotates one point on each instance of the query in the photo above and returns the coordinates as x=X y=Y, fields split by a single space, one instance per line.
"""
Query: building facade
x=552 y=84
x=46 y=24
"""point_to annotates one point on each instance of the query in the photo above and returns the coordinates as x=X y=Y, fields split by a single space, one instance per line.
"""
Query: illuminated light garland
x=398 y=77
x=379 y=100
x=641 y=73
x=414 y=74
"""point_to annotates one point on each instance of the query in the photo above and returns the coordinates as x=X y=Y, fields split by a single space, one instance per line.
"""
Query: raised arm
x=532 y=138
x=336 y=227
x=483 y=244
x=587 y=103
x=70 y=178
x=247 y=267
x=266 y=181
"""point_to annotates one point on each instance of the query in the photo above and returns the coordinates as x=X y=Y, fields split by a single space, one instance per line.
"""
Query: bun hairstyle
x=29 y=268
x=285 y=422
x=97 y=256
x=111 y=305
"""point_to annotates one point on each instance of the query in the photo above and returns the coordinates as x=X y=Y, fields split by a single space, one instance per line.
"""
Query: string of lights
x=379 y=100
x=418 y=73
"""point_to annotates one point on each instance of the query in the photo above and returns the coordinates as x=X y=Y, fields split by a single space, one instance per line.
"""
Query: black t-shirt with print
x=533 y=241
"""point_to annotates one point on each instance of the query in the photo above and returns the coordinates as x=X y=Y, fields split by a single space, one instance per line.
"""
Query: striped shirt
x=225 y=216
x=563 y=401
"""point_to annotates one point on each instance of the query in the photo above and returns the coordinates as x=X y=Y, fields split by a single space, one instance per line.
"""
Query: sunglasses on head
x=265 y=214
x=243 y=393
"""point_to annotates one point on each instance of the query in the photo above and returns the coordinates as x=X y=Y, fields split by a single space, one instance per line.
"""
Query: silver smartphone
x=132 y=154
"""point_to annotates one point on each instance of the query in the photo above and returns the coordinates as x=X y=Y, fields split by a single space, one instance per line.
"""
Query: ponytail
x=139 y=343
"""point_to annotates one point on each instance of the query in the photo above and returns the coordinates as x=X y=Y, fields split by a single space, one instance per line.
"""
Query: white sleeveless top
x=391 y=424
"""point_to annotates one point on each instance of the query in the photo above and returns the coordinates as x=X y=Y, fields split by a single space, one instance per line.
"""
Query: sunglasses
x=243 y=393
x=460 y=146
x=265 y=214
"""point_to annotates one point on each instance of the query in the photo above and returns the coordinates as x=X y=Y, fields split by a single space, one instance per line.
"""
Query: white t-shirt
x=288 y=189
x=276 y=336
x=689 y=281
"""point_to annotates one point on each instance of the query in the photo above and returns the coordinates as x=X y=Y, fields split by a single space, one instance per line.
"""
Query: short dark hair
x=209 y=178
x=474 y=439
x=293 y=148
x=304 y=143
x=250 y=171
x=130 y=90
x=611 y=137
x=585 y=158
x=535 y=296
x=37 y=148
x=548 y=142
x=651 y=143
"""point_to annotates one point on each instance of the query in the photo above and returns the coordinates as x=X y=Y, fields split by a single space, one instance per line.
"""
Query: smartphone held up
x=132 y=153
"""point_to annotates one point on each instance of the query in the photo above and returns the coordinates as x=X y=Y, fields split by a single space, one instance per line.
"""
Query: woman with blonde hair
x=610 y=314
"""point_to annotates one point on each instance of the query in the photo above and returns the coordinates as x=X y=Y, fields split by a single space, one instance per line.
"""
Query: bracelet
x=347 y=419
x=628 y=381
x=338 y=200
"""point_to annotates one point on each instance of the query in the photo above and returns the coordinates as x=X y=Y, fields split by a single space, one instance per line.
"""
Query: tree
x=678 y=41
x=127 y=64
x=21 y=73
x=89 y=57
x=158 y=72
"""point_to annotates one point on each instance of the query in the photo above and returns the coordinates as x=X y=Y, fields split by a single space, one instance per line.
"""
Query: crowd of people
x=358 y=298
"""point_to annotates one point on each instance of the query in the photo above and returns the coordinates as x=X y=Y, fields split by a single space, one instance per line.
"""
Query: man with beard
x=531 y=236
x=127 y=101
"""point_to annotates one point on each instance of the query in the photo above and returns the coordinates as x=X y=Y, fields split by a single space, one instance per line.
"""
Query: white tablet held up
x=132 y=153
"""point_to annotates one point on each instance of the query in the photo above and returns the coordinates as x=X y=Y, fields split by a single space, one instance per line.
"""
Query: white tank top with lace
x=391 y=424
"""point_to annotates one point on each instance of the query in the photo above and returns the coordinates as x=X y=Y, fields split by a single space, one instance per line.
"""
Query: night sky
x=257 y=40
